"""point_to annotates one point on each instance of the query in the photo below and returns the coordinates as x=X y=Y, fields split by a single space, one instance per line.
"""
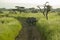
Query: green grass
x=49 y=29
x=9 y=28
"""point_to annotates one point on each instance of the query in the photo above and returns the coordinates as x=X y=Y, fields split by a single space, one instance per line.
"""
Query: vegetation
x=9 y=28
x=49 y=29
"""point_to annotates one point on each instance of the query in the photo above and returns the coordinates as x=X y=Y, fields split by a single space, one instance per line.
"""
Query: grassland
x=49 y=29
x=9 y=28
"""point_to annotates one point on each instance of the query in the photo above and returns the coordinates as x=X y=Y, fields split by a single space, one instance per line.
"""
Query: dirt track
x=28 y=32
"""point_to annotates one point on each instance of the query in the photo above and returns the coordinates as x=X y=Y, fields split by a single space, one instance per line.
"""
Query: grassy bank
x=9 y=28
x=50 y=29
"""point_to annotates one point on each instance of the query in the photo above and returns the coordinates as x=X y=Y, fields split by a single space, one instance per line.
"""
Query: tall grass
x=9 y=28
x=50 y=29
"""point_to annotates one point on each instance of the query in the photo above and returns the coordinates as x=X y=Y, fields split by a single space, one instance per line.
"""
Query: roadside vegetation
x=9 y=28
x=49 y=29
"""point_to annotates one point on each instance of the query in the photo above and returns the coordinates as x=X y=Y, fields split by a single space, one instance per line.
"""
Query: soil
x=28 y=32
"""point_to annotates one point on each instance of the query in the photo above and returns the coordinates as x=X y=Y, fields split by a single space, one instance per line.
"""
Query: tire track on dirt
x=28 y=32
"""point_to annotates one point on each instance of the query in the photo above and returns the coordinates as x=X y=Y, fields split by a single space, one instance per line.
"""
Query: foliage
x=49 y=29
x=9 y=28
x=58 y=13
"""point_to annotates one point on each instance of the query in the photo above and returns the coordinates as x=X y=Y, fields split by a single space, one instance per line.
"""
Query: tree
x=21 y=9
x=46 y=9
x=33 y=10
x=39 y=8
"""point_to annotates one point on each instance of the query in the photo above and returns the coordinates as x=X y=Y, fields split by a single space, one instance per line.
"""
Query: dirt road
x=28 y=32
